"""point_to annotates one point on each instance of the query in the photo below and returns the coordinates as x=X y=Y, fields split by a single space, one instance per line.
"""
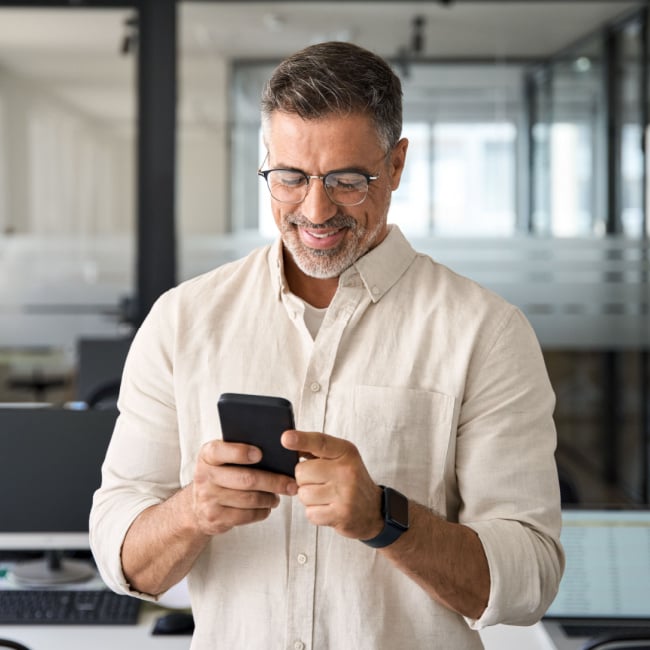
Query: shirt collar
x=384 y=265
x=379 y=269
x=276 y=267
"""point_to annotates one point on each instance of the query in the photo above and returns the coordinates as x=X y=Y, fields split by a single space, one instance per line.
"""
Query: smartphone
x=259 y=420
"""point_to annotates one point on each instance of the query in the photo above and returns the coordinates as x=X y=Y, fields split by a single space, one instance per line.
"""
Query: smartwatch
x=395 y=511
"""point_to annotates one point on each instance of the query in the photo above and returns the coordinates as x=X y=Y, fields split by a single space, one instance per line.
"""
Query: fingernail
x=254 y=454
x=289 y=438
x=292 y=489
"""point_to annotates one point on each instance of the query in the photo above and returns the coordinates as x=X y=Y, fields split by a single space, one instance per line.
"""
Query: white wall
x=65 y=172
x=203 y=167
x=202 y=192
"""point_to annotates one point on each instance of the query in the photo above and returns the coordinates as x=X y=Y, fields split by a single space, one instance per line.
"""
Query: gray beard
x=327 y=264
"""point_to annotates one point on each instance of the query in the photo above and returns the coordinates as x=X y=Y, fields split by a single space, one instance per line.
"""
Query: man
x=402 y=374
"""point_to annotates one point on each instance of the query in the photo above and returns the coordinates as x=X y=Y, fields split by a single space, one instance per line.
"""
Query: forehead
x=323 y=143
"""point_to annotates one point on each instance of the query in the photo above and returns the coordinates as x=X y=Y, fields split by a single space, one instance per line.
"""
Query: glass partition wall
x=67 y=190
x=589 y=185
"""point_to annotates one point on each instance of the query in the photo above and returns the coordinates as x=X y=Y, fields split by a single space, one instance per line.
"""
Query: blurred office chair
x=620 y=641
x=104 y=396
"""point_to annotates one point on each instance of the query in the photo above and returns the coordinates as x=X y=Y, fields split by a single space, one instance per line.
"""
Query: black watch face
x=398 y=508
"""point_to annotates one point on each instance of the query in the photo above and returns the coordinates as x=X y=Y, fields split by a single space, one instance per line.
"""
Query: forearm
x=446 y=559
x=162 y=544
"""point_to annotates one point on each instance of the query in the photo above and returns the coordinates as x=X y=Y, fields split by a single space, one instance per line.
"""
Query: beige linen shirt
x=438 y=382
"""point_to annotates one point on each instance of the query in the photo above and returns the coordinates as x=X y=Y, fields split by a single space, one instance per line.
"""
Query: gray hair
x=337 y=78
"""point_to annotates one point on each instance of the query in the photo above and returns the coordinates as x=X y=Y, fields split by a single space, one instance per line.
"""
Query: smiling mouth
x=323 y=235
x=321 y=238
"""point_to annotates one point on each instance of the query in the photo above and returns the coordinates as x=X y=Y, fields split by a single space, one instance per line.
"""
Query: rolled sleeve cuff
x=525 y=571
x=107 y=535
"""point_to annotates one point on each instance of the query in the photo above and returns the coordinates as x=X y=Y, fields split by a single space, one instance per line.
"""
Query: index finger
x=219 y=452
x=319 y=445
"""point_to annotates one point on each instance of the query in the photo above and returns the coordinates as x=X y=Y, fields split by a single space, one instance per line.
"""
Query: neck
x=316 y=291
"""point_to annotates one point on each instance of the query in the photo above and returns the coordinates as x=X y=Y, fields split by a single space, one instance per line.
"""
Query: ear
x=396 y=162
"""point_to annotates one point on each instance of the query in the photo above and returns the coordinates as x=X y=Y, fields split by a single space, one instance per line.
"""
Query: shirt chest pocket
x=405 y=438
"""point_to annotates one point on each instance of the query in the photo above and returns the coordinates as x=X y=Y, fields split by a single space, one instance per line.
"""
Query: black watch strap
x=394 y=510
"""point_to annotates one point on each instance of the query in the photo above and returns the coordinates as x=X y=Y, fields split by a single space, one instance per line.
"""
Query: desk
x=97 y=637
x=129 y=637
x=511 y=637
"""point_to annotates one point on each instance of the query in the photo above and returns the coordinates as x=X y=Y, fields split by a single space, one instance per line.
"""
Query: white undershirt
x=314 y=318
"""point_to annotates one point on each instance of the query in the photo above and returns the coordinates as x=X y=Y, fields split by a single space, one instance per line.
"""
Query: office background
x=527 y=171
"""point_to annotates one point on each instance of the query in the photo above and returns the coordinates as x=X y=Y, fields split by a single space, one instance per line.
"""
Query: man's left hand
x=334 y=484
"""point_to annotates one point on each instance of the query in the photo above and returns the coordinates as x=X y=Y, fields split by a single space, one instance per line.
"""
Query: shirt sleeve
x=141 y=468
x=507 y=475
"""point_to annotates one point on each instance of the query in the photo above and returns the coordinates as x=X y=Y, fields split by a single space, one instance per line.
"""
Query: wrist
x=395 y=518
x=376 y=518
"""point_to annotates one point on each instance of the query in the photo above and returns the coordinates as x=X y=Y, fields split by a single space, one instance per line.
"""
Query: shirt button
x=302 y=558
x=314 y=387
x=298 y=645
x=375 y=291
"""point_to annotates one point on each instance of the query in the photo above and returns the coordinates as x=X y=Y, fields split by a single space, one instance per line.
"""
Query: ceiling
x=462 y=29
x=76 y=53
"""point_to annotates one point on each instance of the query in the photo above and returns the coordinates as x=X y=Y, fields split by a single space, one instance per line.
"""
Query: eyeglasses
x=342 y=187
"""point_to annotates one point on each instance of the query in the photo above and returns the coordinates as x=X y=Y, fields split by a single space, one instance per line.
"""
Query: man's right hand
x=226 y=493
x=164 y=541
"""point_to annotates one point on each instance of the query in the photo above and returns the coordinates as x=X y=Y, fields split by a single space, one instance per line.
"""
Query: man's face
x=323 y=238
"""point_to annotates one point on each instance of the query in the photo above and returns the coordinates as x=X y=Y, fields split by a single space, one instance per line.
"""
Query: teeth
x=322 y=235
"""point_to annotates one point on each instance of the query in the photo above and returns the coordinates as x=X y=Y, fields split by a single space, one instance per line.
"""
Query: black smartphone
x=259 y=420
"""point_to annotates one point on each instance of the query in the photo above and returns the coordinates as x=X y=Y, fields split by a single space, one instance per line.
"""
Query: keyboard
x=595 y=629
x=68 y=607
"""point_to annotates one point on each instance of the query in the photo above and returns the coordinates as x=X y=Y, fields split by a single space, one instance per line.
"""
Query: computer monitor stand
x=51 y=570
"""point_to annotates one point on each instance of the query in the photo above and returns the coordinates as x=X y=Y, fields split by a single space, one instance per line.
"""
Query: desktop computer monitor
x=50 y=466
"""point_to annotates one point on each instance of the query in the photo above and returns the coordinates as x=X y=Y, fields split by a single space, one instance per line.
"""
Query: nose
x=317 y=206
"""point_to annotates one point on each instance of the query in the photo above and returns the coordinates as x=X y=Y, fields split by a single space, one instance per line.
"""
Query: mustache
x=337 y=221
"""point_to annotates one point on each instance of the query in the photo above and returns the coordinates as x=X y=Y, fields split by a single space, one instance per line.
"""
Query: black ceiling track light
x=130 y=39
x=415 y=48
